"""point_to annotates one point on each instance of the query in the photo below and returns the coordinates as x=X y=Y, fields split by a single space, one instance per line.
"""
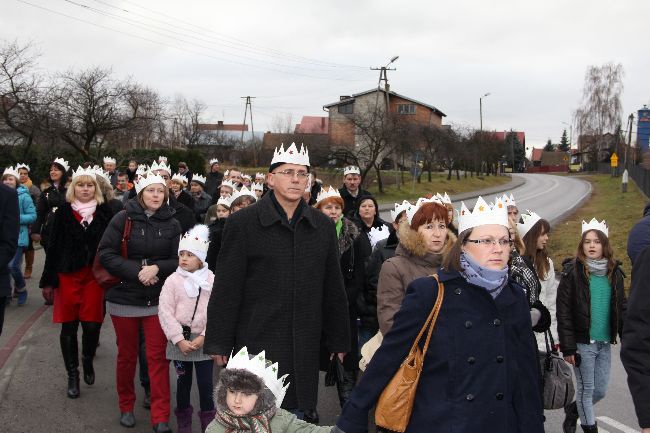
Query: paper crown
x=214 y=161
x=482 y=214
x=291 y=155
x=444 y=199
x=595 y=225
x=62 y=163
x=412 y=209
x=529 y=220
x=399 y=208
x=257 y=365
x=12 y=171
x=257 y=186
x=351 y=169
x=508 y=201
x=327 y=193
x=260 y=176
x=242 y=193
x=142 y=169
x=225 y=201
x=109 y=160
x=199 y=179
x=246 y=176
x=155 y=166
x=149 y=178
x=162 y=158
x=180 y=178
x=229 y=183
x=196 y=241
x=376 y=234
x=99 y=172
x=90 y=171
x=21 y=165
x=226 y=173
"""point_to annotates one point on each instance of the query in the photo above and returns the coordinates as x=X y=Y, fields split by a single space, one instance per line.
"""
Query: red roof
x=313 y=125
x=521 y=136
x=537 y=154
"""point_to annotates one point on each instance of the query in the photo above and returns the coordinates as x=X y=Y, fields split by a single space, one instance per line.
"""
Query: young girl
x=182 y=311
x=248 y=398
x=590 y=305
x=218 y=211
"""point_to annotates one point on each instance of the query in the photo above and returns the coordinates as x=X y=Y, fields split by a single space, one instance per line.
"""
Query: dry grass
x=620 y=210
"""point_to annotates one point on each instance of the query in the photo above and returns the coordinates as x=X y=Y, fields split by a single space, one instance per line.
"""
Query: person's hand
x=147 y=273
x=186 y=347
x=198 y=341
x=36 y=237
x=341 y=355
x=571 y=359
x=221 y=360
x=48 y=294
x=150 y=282
x=646 y=430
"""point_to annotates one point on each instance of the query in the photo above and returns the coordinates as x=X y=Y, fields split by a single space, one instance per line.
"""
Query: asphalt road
x=33 y=380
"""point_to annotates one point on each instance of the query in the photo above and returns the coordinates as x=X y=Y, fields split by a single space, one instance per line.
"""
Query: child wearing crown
x=182 y=311
x=248 y=397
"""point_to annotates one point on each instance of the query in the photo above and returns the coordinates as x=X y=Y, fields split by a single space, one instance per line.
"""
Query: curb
x=558 y=219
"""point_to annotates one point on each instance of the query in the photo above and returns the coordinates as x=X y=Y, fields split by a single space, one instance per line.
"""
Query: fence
x=639 y=174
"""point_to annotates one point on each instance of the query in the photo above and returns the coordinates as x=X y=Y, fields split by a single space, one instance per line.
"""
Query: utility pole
x=480 y=108
x=383 y=76
x=629 y=136
x=249 y=103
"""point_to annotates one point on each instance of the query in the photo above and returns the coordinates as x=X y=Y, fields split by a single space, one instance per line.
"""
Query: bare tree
x=282 y=123
x=186 y=116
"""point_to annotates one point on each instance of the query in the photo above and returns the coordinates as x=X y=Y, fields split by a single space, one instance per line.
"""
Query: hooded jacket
x=27 y=214
x=412 y=260
x=639 y=237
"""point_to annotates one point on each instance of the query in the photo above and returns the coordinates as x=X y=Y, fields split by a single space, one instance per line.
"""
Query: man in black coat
x=214 y=178
x=280 y=284
x=10 y=223
x=351 y=190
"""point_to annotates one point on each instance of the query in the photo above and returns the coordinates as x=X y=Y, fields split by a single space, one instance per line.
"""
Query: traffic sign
x=614 y=160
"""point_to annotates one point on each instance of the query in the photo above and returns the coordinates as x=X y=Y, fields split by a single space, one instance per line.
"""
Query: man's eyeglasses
x=490 y=242
x=302 y=175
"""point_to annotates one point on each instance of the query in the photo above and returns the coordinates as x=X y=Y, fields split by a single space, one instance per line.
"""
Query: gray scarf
x=597 y=267
x=491 y=280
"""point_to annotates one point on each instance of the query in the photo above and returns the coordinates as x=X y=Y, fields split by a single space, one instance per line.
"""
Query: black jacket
x=574 y=305
x=152 y=239
x=212 y=182
x=185 y=198
x=216 y=230
x=51 y=198
x=350 y=203
x=10 y=222
x=71 y=246
x=183 y=214
x=635 y=344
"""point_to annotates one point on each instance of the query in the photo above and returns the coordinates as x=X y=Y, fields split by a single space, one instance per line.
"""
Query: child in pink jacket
x=182 y=311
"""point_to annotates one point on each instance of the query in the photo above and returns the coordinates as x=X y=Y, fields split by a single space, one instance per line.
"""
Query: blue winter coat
x=480 y=372
x=27 y=214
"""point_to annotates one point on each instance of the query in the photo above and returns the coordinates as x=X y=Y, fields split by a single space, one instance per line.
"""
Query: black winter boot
x=590 y=428
x=345 y=387
x=70 y=350
x=89 y=340
x=571 y=418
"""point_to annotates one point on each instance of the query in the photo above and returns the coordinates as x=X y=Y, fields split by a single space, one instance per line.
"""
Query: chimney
x=322 y=123
x=220 y=122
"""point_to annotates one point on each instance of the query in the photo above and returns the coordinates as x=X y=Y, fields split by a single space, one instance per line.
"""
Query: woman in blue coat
x=11 y=178
x=479 y=373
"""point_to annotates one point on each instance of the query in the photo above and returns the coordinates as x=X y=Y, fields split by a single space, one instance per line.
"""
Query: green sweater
x=601 y=296
x=282 y=422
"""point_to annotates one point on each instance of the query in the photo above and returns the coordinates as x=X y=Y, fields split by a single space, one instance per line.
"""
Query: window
x=346 y=109
x=405 y=108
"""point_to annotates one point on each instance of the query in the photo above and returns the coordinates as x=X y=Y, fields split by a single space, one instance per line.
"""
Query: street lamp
x=480 y=106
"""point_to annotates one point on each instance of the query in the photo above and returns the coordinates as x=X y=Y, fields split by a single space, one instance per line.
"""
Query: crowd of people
x=274 y=277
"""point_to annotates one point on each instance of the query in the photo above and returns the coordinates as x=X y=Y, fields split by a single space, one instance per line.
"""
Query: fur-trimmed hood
x=245 y=381
x=413 y=244
x=349 y=232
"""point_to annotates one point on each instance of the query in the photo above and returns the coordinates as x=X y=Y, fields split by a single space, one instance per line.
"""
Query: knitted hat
x=196 y=241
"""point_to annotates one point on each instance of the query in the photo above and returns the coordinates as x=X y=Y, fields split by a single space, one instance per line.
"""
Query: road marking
x=616 y=424
x=8 y=348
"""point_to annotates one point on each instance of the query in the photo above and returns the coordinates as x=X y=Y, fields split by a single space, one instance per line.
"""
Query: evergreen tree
x=549 y=146
x=564 y=143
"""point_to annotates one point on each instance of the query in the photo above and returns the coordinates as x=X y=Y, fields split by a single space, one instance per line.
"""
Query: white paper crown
x=291 y=155
x=198 y=178
x=90 y=171
x=351 y=169
x=399 y=208
x=62 y=163
x=412 y=209
x=142 y=169
x=148 y=179
x=12 y=171
x=529 y=220
x=225 y=201
x=246 y=176
x=243 y=192
x=109 y=160
x=260 y=176
x=161 y=166
x=376 y=234
x=226 y=173
x=327 y=193
x=482 y=214
x=162 y=158
x=257 y=186
x=257 y=366
x=595 y=225
x=229 y=183
x=444 y=199
x=179 y=177
x=508 y=201
x=100 y=172
x=214 y=161
x=21 y=165
x=196 y=241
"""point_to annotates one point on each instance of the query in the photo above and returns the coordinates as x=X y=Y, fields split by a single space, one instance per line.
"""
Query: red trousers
x=126 y=330
x=78 y=297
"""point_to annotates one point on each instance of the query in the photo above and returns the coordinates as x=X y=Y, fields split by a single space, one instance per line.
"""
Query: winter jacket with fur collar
x=412 y=260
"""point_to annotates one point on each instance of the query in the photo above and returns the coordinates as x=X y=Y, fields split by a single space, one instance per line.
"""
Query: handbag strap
x=430 y=323
x=126 y=235
x=195 y=306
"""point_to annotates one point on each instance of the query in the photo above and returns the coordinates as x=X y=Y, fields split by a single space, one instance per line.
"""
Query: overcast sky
x=296 y=56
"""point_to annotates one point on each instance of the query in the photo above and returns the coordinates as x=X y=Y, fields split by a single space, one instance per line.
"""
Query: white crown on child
x=257 y=186
x=22 y=165
x=376 y=234
x=196 y=241
x=12 y=171
x=198 y=178
x=142 y=169
x=412 y=210
x=327 y=193
x=109 y=160
x=162 y=158
x=90 y=171
x=149 y=178
x=444 y=199
x=246 y=176
x=225 y=201
x=509 y=201
x=229 y=183
x=100 y=172
x=243 y=192
x=291 y=155
x=257 y=366
x=399 y=208
x=482 y=214
x=155 y=166
x=260 y=176
x=214 y=161
x=529 y=220
x=595 y=225
x=62 y=163
x=351 y=169
x=179 y=177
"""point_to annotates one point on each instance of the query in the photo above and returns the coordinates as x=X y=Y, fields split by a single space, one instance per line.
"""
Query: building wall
x=643 y=129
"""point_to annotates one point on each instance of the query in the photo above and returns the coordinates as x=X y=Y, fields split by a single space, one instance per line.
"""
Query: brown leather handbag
x=395 y=404
x=103 y=278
